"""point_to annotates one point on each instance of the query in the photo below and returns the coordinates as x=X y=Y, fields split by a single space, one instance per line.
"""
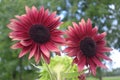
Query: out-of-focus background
x=104 y=13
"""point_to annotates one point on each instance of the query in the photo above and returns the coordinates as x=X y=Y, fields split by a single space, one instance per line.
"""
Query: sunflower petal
x=52 y=47
x=24 y=51
x=37 y=56
x=16 y=46
x=33 y=51
x=103 y=56
x=45 y=50
x=81 y=63
x=98 y=62
x=92 y=67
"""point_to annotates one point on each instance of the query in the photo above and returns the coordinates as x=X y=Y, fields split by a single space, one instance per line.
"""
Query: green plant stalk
x=48 y=69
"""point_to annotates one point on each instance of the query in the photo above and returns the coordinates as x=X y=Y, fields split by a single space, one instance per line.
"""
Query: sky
x=115 y=56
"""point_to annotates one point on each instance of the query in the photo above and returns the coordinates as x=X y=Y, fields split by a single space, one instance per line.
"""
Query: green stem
x=50 y=73
x=69 y=68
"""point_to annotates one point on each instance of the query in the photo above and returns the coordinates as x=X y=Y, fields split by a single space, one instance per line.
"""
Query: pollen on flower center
x=88 y=47
x=39 y=33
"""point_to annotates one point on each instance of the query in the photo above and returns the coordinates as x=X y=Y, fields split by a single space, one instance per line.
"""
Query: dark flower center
x=39 y=33
x=88 y=47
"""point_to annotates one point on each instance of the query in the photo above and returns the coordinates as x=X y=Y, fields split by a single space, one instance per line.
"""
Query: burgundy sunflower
x=36 y=33
x=86 y=45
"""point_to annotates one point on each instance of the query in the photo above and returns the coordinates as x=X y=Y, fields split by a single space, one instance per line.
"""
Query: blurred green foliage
x=105 y=78
x=104 y=13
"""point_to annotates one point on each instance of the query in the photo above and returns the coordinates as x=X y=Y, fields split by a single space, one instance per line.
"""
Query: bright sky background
x=115 y=56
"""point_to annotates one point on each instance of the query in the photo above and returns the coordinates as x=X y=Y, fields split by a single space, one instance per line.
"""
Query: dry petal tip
x=8 y=25
x=61 y=23
x=110 y=49
x=55 y=12
x=57 y=18
x=27 y=9
x=29 y=57
x=83 y=21
x=89 y=21
x=73 y=23
x=33 y=7
x=42 y=8
x=96 y=28
x=20 y=55
x=17 y=16
x=12 y=47
x=104 y=33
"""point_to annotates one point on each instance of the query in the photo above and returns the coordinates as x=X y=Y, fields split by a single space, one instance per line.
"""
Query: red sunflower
x=86 y=45
x=36 y=33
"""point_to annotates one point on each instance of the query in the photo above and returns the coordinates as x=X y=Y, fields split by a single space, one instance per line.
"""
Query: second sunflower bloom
x=86 y=45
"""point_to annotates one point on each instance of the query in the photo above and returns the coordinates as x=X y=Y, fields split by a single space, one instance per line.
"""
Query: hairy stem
x=48 y=69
